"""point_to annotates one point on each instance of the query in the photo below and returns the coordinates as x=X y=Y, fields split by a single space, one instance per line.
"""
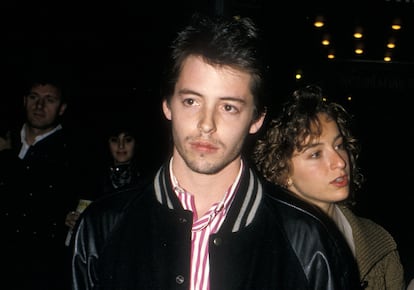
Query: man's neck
x=206 y=188
x=32 y=133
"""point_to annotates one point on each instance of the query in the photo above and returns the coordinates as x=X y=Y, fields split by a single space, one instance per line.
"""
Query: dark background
x=113 y=53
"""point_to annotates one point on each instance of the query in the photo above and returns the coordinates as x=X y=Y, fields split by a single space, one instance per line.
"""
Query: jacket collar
x=248 y=196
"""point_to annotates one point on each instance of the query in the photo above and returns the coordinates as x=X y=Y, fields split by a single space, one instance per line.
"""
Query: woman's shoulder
x=367 y=228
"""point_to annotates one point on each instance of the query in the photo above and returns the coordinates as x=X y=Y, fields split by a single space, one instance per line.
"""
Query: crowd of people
x=216 y=213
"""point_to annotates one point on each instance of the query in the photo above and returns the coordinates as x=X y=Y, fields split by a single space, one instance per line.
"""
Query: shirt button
x=217 y=241
x=179 y=279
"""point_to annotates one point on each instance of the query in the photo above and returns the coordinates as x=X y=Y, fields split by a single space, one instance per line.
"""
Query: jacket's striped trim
x=249 y=209
x=160 y=185
x=251 y=192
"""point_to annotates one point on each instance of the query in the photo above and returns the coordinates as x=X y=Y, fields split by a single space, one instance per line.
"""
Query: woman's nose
x=339 y=160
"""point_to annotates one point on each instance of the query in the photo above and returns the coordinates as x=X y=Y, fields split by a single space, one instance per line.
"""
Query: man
x=206 y=221
x=45 y=178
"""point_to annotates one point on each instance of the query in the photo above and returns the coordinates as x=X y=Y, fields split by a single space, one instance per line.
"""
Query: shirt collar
x=225 y=203
x=25 y=145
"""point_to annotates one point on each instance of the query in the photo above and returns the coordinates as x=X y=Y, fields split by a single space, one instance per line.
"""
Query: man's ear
x=257 y=124
x=62 y=109
x=166 y=109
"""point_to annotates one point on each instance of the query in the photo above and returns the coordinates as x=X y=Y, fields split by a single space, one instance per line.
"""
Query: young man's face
x=212 y=112
x=43 y=105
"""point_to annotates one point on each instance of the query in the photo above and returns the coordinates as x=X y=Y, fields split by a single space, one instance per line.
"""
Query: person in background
x=46 y=177
x=310 y=151
x=206 y=221
x=6 y=152
x=122 y=166
x=5 y=139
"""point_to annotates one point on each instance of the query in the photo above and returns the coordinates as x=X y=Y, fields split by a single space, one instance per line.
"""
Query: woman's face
x=122 y=148
x=321 y=172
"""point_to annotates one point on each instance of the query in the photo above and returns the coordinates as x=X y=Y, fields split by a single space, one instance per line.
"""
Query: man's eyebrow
x=234 y=99
x=188 y=92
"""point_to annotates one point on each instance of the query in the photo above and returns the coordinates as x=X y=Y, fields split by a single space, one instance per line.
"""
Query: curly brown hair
x=295 y=128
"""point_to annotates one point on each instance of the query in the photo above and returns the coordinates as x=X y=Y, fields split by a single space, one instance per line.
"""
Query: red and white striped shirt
x=202 y=228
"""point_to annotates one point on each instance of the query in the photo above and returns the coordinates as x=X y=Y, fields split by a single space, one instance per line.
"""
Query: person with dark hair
x=46 y=179
x=121 y=168
x=310 y=151
x=206 y=221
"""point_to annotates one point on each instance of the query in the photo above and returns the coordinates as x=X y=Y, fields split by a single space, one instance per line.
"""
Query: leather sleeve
x=85 y=256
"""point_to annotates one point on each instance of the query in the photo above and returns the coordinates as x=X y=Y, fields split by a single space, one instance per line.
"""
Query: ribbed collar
x=248 y=194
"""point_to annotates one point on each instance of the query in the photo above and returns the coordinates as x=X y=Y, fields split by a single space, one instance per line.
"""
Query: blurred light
x=358 y=34
x=298 y=74
x=319 y=21
x=359 y=48
x=396 y=24
x=391 y=43
x=359 y=51
x=331 y=54
x=387 y=56
x=325 y=40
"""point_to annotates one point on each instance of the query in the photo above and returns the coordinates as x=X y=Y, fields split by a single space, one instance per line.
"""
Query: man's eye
x=189 y=102
x=230 y=108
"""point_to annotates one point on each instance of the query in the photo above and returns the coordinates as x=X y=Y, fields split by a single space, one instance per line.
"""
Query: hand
x=5 y=143
x=71 y=219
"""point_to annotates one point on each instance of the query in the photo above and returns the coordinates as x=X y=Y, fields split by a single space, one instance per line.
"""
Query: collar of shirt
x=26 y=146
x=220 y=208
x=344 y=226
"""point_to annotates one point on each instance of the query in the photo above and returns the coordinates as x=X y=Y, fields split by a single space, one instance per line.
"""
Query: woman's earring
x=289 y=182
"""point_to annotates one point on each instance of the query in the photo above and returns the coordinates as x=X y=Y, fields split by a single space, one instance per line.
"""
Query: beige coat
x=376 y=254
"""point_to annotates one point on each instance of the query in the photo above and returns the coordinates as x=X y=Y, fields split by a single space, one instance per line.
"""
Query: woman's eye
x=340 y=146
x=315 y=154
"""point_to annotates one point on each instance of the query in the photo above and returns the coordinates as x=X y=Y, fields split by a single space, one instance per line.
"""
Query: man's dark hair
x=221 y=41
x=48 y=76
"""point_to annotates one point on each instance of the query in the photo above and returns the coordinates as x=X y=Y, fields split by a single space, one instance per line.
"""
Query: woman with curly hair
x=310 y=151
